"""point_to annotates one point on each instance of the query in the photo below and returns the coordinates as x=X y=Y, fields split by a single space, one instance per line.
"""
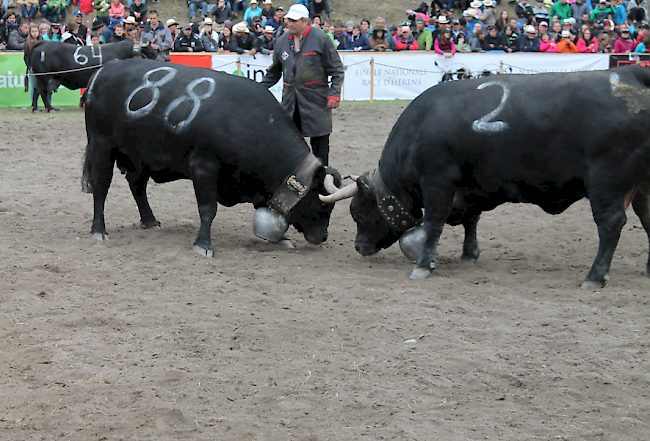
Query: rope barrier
x=67 y=71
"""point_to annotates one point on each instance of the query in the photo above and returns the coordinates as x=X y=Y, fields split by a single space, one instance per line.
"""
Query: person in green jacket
x=101 y=7
x=562 y=9
x=422 y=35
x=602 y=12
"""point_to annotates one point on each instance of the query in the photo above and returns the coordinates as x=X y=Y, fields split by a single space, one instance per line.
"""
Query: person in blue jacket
x=358 y=42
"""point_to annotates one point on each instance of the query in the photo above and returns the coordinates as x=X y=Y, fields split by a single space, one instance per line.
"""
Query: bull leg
x=610 y=219
x=437 y=206
x=99 y=172
x=96 y=179
x=204 y=178
x=641 y=205
x=138 y=186
x=471 y=251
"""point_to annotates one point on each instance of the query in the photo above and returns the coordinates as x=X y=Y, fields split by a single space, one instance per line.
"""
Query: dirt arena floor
x=140 y=338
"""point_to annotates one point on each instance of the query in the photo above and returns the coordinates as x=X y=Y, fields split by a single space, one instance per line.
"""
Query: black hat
x=97 y=24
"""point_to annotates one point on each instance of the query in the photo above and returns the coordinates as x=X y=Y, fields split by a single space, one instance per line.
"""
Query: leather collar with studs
x=394 y=212
x=295 y=186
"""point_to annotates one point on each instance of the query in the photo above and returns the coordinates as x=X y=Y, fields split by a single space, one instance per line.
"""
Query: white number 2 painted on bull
x=485 y=124
x=154 y=86
x=191 y=96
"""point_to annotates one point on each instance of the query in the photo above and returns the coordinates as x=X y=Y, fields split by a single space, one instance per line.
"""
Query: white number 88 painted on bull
x=191 y=96
x=146 y=84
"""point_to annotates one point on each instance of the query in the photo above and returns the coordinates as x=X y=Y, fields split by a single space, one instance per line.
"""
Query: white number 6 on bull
x=485 y=124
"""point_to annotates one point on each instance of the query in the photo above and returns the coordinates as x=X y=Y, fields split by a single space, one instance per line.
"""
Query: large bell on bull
x=269 y=224
x=412 y=243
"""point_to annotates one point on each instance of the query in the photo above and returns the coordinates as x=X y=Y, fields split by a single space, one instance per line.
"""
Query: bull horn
x=329 y=184
x=344 y=193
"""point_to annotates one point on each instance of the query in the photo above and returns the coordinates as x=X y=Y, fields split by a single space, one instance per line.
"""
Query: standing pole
x=239 y=67
x=501 y=67
x=372 y=79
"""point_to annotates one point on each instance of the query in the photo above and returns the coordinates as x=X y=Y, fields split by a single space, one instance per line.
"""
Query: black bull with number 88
x=465 y=147
x=228 y=134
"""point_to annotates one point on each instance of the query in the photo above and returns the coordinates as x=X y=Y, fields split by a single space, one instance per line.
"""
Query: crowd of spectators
x=252 y=26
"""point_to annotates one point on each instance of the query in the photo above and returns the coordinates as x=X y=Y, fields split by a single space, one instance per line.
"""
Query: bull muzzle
x=338 y=194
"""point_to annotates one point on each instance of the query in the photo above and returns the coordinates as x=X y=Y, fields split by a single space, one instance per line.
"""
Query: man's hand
x=332 y=104
x=154 y=46
x=252 y=52
x=189 y=49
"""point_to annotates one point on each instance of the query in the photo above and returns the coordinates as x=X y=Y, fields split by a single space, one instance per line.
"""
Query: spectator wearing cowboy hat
x=131 y=30
x=243 y=42
x=265 y=43
x=529 y=41
x=378 y=40
x=471 y=18
x=172 y=25
x=566 y=45
x=71 y=35
x=443 y=25
x=489 y=17
x=268 y=11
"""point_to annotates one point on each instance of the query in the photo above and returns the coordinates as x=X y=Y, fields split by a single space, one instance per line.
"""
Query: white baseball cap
x=296 y=12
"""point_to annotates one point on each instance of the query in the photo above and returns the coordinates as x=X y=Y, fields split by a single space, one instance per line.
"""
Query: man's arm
x=334 y=68
x=274 y=71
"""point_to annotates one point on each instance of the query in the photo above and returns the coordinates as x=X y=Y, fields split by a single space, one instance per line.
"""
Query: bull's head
x=144 y=50
x=311 y=216
x=373 y=232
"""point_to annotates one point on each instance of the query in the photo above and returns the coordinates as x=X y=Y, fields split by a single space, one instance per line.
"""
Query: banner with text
x=405 y=76
x=12 y=85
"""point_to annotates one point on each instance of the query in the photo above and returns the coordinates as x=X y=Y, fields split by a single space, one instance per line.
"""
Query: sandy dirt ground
x=140 y=338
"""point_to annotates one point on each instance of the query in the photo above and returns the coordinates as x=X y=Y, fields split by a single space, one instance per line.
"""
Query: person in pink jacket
x=546 y=44
x=116 y=13
x=587 y=43
x=626 y=43
x=444 y=44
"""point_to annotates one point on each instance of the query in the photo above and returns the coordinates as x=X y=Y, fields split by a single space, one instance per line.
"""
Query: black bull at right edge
x=465 y=147
x=228 y=134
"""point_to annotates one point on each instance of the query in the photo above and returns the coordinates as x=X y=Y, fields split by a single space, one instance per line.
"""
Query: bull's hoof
x=148 y=225
x=591 y=285
x=100 y=236
x=283 y=243
x=203 y=252
x=468 y=259
x=420 y=273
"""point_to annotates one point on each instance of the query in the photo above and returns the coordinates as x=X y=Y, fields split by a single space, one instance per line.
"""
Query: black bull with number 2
x=228 y=134
x=465 y=147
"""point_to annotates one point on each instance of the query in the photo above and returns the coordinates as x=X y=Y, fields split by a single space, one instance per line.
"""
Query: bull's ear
x=338 y=180
x=364 y=184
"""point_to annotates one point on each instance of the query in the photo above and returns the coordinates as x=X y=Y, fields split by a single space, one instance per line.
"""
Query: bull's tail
x=87 y=174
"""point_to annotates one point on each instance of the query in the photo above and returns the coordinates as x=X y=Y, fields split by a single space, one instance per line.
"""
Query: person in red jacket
x=405 y=40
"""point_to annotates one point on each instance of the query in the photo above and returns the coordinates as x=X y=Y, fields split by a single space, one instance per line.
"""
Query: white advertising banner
x=405 y=76
x=401 y=75
x=253 y=67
